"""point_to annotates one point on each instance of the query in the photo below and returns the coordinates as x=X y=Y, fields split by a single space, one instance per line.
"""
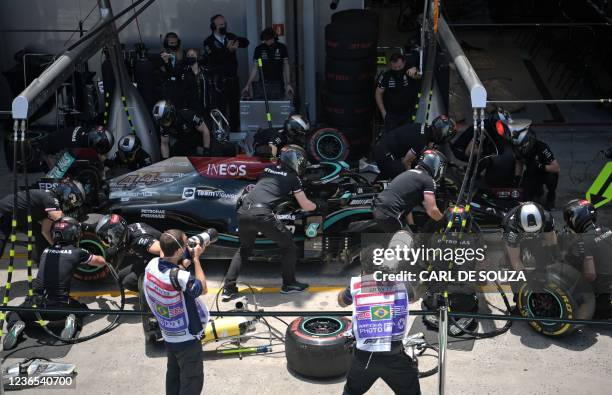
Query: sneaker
x=69 y=327
x=12 y=337
x=229 y=292
x=296 y=287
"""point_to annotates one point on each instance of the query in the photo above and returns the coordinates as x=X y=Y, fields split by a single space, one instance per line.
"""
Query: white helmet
x=531 y=217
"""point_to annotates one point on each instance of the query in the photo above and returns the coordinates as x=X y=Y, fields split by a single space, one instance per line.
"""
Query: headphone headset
x=175 y=240
x=171 y=34
x=212 y=22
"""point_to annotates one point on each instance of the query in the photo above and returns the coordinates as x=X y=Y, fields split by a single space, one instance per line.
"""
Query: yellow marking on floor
x=211 y=291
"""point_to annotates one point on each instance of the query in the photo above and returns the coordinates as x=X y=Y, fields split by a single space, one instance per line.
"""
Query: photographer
x=379 y=351
x=255 y=214
x=172 y=295
x=134 y=244
x=53 y=280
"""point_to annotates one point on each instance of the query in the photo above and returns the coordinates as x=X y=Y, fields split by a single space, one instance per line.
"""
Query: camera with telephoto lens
x=205 y=238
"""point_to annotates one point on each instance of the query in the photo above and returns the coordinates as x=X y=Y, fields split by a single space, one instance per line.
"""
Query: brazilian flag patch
x=379 y=313
x=163 y=311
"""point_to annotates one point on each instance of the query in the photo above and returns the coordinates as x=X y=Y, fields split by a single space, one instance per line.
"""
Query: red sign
x=279 y=29
x=240 y=167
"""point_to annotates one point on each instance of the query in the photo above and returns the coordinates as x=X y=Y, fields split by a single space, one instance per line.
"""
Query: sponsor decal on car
x=152 y=213
x=225 y=169
x=147 y=179
x=129 y=194
x=190 y=193
x=360 y=202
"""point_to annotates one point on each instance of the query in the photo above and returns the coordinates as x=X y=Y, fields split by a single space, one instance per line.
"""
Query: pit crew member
x=275 y=185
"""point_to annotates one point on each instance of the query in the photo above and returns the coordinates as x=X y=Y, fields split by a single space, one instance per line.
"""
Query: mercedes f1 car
x=196 y=193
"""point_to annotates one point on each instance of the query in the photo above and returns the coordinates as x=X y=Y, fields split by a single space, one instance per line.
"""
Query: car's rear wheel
x=562 y=293
x=92 y=243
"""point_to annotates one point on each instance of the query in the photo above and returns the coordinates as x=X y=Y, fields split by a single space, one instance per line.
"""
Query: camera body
x=204 y=239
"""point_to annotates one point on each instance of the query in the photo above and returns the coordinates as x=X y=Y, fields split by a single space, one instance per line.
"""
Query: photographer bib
x=380 y=313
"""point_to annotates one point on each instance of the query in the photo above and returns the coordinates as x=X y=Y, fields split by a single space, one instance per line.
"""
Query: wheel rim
x=544 y=304
x=329 y=147
x=322 y=326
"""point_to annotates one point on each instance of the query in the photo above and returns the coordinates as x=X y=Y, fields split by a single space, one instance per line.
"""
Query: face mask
x=173 y=47
x=223 y=30
x=190 y=60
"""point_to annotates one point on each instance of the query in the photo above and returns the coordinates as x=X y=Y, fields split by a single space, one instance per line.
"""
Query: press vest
x=380 y=313
x=181 y=316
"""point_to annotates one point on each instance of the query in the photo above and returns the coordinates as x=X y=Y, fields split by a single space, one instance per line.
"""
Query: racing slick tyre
x=328 y=145
x=92 y=243
x=356 y=16
x=349 y=76
x=345 y=41
x=348 y=110
x=560 y=292
x=316 y=346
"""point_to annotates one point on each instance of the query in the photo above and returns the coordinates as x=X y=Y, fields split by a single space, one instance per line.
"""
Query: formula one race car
x=197 y=193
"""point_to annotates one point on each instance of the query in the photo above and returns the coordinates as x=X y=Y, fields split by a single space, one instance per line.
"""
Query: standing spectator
x=194 y=80
x=220 y=58
x=172 y=64
x=396 y=92
x=275 y=62
x=172 y=294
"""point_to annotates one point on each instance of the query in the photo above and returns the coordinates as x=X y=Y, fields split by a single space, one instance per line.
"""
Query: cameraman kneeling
x=52 y=282
x=379 y=351
x=172 y=294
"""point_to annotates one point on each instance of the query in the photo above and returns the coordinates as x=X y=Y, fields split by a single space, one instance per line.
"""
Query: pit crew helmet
x=433 y=162
x=579 y=214
x=293 y=157
x=164 y=113
x=128 y=147
x=66 y=230
x=70 y=194
x=296 y=128
x=100 y=139
x=113 y=230
x=530 y=218
x=442 y=129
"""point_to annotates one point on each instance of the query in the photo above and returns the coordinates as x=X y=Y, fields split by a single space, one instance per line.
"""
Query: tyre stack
x=350 y=67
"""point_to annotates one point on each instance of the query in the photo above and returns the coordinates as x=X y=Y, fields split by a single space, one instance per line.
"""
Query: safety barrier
x=443 y=314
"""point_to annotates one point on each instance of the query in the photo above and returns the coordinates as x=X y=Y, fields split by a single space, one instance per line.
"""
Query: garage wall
x=189 y=18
